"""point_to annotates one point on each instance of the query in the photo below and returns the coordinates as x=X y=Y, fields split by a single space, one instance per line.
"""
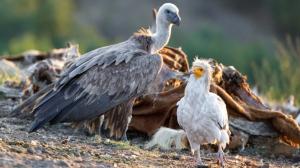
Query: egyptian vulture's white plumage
x=108 y=77
x=167 y=139
x=203 y=114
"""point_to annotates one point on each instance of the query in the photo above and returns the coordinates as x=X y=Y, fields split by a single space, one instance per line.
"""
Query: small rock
x=63 y=163
x=96 y=139
x=247 y=162
x=65 y=141
x=133 y=156
x=107 y=141
x=18 y=149
x=265 y=165
x=76 y=153
x=135 y=153
x=202 y=166
x=30 y=150
x=176 y=157
x=164 y=156
x=25 y=145
x=34 y=143
x=66 y=156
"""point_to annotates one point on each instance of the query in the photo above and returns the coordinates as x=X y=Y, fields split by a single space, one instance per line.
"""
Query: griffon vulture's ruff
x=106 y=77
x=203 y=114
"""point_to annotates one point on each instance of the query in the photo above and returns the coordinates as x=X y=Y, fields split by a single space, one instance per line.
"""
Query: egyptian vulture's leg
x=199 y=160
x=220 y=156
x=195 y=149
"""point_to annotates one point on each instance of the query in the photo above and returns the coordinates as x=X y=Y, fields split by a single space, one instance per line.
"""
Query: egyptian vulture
x=203 y=114
x=108 y=76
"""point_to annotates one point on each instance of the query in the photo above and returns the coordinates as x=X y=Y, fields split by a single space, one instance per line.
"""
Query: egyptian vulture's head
x=168 y=14
x=201 y=68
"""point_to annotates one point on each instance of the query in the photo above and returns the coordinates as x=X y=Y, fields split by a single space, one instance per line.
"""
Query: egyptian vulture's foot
x=221 y=158
x=200 y=164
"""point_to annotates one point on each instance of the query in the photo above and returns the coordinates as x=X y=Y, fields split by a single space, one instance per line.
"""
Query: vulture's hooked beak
x=174 y=18
x=184 y=76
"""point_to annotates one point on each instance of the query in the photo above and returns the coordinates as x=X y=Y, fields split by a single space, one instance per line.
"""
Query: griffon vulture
x=109 y=76
x=202 y=114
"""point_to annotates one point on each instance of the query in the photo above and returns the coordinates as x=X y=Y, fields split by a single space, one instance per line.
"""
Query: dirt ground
x=61 y=146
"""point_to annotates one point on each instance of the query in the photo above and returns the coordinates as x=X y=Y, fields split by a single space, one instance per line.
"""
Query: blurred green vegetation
x=280 y=78
x=42 y=25
x=210 y=42
x=9 y=72
x=273 y=67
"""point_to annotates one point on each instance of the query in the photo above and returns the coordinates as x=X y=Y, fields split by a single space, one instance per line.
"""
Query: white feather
x=167 y=139
x=203 y=114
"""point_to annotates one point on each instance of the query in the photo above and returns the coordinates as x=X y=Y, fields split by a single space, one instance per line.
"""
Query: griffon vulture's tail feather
x=65 y=106
x=53 y=104
x=48 y=110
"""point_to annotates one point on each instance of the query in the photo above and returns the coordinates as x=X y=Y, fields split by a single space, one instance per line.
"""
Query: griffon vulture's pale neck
x=162 y=35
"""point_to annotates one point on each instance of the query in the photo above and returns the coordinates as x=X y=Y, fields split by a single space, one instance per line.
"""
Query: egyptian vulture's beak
x=174 y=18
x=198 y=72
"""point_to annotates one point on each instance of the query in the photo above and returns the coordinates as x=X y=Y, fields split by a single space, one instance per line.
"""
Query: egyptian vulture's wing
x=219 y=114
x=97 y=82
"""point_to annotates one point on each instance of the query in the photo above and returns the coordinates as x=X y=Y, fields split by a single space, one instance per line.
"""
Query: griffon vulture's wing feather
x=106 y=80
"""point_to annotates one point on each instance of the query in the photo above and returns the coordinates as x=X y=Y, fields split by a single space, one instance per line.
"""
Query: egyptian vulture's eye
x=198 y=72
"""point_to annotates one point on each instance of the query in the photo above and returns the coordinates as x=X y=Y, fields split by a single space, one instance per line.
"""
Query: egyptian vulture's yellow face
x=198 y=72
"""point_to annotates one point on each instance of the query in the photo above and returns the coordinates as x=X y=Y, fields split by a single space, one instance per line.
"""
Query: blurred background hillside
x=258 y=37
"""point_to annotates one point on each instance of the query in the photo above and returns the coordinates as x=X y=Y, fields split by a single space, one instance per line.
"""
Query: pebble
x=25 y=145
x=164 y=156
x=133 y=156
x=77 y=153
x=248 y=163
x=18 y=149
x=176 y=157
x=266 y=165
x=34 y=143
x=62 y=163
x=135 y=153
x=107 y=141
x=65 y=141
x=30 y=150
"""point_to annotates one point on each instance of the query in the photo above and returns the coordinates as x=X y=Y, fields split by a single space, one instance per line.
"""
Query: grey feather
x=97 y=82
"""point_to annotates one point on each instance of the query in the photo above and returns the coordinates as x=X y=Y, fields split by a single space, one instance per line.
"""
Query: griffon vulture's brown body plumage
x=107 y=77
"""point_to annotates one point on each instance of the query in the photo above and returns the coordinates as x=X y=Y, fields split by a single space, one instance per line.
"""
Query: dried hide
x=160 y=110
x=152 y=111
x=41 y=69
